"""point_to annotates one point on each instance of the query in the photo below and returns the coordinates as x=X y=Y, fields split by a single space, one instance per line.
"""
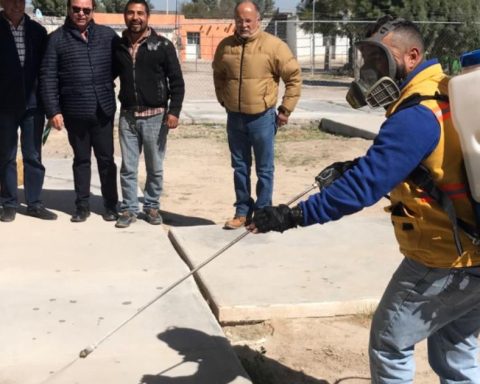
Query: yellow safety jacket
x=422 y=227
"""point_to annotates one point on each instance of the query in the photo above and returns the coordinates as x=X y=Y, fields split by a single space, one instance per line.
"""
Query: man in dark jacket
x=22 y=45
x=151 y=94
x=76 y=85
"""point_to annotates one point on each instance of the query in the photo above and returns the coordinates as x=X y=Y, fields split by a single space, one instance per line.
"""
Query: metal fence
x=324 y=48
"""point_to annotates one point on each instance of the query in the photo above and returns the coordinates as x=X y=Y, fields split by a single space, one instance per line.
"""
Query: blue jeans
x=31 y=128
x=150 y=134
x=440 y=305
x=244 y=133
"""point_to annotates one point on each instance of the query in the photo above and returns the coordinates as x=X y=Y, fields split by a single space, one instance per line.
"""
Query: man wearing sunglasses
x=22 y=43
x=76 y=83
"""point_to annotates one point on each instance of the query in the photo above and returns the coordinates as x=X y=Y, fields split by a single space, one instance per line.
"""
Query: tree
x=116 y=6
x=458 y=31
x=213 y=9
x=51 y=7
x=59 y=7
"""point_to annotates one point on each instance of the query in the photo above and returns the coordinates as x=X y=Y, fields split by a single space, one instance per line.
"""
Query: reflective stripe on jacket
x=422 y=227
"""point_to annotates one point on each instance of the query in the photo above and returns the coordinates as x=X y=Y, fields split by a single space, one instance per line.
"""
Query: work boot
x=40 y=212
x=236 y=222
x=125 y=219
x=8 y=214
x=152 y=216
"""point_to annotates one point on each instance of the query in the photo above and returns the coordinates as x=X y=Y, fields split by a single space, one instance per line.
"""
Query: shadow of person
x=215 y=360
x=64 y=200
x=264 y=370
x=177 y=220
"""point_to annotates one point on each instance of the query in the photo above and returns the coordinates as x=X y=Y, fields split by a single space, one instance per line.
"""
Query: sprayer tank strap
x=422 y=177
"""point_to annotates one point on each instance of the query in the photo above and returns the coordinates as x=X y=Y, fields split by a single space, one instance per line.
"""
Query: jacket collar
x=72 y=28
x=244 y=40
x=152 y=38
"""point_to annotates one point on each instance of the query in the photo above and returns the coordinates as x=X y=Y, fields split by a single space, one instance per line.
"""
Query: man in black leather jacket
x=151 y=96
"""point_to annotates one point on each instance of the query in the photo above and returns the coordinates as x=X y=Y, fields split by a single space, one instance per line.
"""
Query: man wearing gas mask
x=417 y=158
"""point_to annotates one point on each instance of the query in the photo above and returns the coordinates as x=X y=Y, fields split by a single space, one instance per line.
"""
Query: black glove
x=331 y=173
x=277 y=219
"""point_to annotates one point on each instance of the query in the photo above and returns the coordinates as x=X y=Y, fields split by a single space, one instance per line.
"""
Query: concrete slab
x=65 y=286
x=334 y=116
x=335 y=269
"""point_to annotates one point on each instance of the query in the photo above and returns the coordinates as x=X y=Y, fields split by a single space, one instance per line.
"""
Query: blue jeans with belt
x=247 y=132
x=440 y=305
x=31 y=125
x=149 y=134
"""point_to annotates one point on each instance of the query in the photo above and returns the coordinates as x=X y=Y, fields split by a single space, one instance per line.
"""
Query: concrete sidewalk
x=65 y=286
x=331 y=116
x=335 y=269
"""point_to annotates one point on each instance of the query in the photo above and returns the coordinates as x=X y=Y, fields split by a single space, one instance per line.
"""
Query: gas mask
x=376 y=72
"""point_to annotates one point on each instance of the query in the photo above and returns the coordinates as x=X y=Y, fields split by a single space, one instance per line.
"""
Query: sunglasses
x=86 y=11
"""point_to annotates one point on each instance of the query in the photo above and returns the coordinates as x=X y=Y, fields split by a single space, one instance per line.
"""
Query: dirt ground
x=199 y=186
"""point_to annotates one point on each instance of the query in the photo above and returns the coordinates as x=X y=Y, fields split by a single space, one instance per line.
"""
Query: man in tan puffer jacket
x=246 y=70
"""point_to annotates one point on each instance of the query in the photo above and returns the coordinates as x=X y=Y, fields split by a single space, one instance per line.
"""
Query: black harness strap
x=423 y=179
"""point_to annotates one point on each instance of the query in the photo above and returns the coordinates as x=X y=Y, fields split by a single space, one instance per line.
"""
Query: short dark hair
x=400 y=27
x=143 y=2
x=255 y=5
x=69 y=4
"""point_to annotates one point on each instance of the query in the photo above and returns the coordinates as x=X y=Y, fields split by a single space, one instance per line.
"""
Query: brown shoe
x=235 y=223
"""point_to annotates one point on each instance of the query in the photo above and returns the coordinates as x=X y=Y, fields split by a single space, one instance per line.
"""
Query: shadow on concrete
x=177 y=220
x=64 y=200
x=263 y=370
x=197 y=347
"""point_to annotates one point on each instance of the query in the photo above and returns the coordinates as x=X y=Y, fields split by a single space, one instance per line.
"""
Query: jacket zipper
x=134 y=80
x=241 y=79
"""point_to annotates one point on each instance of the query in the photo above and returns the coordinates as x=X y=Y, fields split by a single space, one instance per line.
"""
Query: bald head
x=247 y=18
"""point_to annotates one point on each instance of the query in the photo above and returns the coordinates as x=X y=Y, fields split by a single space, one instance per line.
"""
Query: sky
x=284 y=5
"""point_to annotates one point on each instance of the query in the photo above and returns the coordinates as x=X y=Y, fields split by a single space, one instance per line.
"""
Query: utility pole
x=313 y=37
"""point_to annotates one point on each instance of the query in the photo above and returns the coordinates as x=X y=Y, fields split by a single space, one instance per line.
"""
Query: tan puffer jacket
x=246 y=73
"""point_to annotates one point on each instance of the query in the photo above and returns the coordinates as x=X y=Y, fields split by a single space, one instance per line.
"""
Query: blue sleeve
x=404 y=140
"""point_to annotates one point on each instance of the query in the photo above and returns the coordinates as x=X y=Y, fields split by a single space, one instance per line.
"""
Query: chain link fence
x=324 y=49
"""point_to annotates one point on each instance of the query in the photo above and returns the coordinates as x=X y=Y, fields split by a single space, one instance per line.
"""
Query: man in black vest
x=22 y=45
x=76 y=85
x=151 y=93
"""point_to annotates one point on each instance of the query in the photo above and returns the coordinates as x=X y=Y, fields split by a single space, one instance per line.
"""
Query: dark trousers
x=31 y=125
x=83 y=135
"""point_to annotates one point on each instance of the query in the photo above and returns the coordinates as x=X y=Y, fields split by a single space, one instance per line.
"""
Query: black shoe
x=110 y=215
x=41 y=212
x=8 y=214
x=80 y=215
x=125 y=219
x=152 y=216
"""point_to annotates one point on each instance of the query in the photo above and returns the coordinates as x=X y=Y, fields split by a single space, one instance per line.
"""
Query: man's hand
x=277 y=219
x=57 y=122
x=282 y=119
x=171 y=121
x=331 y=173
